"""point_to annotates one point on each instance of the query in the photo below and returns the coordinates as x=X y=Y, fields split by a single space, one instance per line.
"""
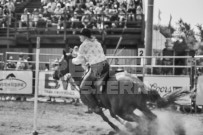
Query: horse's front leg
x=101 y=113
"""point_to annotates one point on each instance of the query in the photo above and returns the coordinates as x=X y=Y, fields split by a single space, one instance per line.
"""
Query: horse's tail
x=171 y=98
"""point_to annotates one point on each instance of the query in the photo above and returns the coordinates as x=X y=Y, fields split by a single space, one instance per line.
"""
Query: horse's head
x=62 y=67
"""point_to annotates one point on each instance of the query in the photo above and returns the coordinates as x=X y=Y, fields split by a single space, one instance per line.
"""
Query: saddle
x=102 y=80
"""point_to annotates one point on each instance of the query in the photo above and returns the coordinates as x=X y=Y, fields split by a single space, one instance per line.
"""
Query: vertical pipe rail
x=36 y=86
x=64 y=26
x=8 y=31
x=149 y=29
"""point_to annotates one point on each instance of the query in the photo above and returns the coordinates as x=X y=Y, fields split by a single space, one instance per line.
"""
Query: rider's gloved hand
x=76 y=48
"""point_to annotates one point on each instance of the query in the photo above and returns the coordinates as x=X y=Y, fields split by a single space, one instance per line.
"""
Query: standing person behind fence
x=168 y=51
x=22 y=63
x=92 y=52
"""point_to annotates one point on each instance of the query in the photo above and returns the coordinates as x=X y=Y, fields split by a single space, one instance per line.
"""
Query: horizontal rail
x=199 y=56
x=136 y=57
x=41 y=62
x=161 y=66
x=110 y=57
x=45 y=54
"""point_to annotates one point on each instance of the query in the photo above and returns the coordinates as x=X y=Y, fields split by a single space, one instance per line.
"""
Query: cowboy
x=91 y=52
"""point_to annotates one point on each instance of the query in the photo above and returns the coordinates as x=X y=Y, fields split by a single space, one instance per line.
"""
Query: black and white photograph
x=101 y=67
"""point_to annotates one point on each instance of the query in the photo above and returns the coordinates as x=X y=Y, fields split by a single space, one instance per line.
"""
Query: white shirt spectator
x=58 y=11
x=139 y=12
x=35 y=15
x=10 y=6
x=25 y=15
x=53 y=6
x=89 y=3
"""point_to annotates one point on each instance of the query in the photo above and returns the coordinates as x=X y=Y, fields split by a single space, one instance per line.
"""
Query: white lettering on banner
x=167 y=84
x=58 y=88
x=199 y=93
x=16 y=82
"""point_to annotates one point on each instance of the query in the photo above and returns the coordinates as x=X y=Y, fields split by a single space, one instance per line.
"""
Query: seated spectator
x=131 y=12
x=98 y=9
x=35 y=17
x=113 y=11
x=68 y=4
x=25 y=19
x=6 y=14
x=41 y=23
x=46 y=14
x=10 y=64
x=74 y=20
x=73 y=3
x=11 y=9
x=122 y=17
x=139 y=13
x=49 y=8
x=69 y=12
x=40 y=10
x=57 y=13
x=11 y=6
x=2 y=19
x=86 y=19
x=53 y=5
x=79 y=12
x=89 y=4
x=44 y=2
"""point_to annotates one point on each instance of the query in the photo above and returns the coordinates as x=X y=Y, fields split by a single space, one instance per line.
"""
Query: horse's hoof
x=112 y=133
x=129 y=126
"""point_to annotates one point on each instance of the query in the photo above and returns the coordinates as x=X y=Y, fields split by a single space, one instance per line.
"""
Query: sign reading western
x=16 y=82
x=167 y=84
x=57 y=88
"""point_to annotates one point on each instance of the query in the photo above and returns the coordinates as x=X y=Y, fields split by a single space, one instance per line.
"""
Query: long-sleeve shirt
x=92 y=51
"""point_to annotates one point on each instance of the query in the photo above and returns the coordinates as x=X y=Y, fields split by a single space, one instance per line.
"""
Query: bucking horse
x=121 y=93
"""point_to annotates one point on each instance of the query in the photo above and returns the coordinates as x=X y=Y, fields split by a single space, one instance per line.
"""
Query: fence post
x=36 y=86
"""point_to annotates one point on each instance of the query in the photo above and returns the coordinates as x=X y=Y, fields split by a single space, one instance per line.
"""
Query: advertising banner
x=56 y=88
x=199 y=94
x=167 y=84
x=16 y=82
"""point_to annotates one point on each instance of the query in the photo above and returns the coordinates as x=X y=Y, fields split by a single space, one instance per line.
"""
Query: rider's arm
x=81 y=52
x=78 y=60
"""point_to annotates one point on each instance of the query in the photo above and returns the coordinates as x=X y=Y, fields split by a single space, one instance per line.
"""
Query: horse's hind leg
x=123 y=122
x=148 y=113
x=131 y=117
x=101 y=113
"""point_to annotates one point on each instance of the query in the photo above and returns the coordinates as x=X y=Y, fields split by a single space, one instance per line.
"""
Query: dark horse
x=121 y=94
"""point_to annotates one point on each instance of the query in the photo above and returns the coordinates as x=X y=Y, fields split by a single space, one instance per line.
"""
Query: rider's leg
x=86 y=90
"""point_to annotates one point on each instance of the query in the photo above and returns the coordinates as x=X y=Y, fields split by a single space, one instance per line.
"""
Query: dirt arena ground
x=16 y=118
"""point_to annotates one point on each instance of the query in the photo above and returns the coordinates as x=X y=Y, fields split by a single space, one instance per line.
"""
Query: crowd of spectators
x=83 y=13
